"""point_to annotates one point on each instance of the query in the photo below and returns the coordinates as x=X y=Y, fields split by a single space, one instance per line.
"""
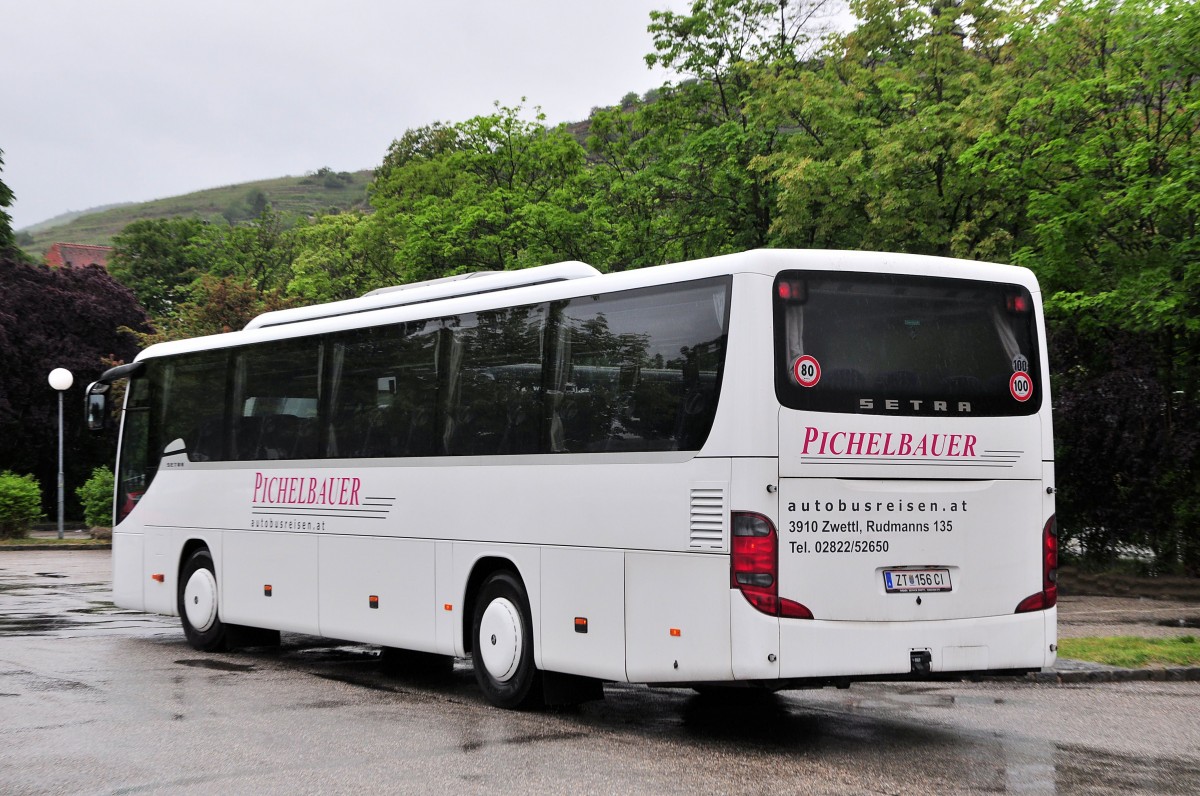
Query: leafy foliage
x=6 y=199
x=1098 y=150
x=493 y=192
x=341 y=256
x=677 y=170
x=20 y=504
x=158 y=259
x=96 y=497
x=198 y=278
x=50 y=318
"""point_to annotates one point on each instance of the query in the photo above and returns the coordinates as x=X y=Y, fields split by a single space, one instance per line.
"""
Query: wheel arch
x=190 y=547
x=481 y=570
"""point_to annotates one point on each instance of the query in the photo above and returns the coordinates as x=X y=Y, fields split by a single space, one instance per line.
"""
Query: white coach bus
x=778 y=468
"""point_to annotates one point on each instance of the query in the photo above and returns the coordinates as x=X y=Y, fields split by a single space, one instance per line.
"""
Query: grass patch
x=1130 y=652
x=53 y=542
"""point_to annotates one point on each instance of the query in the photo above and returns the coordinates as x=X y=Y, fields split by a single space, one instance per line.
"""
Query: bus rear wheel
x=198 y=604
x=502 y=652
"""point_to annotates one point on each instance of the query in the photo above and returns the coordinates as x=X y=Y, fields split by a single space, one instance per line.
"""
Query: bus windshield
x=904 y=345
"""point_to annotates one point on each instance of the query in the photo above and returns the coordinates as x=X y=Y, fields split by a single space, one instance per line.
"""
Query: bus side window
x=277 y=391
x=493 y=380
x=190 y=404
x=644 y=368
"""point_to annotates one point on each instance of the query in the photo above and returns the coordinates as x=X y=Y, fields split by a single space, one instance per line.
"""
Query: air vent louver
x=709 y=517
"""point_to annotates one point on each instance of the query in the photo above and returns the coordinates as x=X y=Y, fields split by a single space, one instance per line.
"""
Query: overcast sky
x=131 y=100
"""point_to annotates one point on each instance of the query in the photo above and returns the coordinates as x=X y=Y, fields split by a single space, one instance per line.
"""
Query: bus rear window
x=904 y=345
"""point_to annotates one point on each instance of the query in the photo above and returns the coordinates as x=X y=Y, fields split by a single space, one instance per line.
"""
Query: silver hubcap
x=501 y=639
x=200 y=600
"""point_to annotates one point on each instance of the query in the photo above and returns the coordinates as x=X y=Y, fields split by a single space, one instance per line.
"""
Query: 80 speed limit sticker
x=1021 y=386
x=807 y=371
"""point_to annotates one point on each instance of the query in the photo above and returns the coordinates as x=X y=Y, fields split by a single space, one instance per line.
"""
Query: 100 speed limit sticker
x=1021 y=386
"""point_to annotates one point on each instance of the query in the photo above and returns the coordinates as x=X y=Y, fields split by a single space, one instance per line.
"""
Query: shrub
x=96 y=495
x=20 y=504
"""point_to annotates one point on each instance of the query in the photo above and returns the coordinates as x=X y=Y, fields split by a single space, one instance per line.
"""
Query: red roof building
x=77 y=254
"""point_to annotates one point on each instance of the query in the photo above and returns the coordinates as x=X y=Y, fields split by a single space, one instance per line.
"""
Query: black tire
x=502 y=651
x=203 y=627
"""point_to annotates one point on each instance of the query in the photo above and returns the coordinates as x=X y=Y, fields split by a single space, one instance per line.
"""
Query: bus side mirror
x=97 y=406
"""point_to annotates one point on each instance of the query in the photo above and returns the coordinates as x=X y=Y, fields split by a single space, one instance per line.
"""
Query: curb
x=1167 y=675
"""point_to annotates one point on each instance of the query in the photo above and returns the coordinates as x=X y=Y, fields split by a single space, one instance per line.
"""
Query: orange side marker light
x=158 y=577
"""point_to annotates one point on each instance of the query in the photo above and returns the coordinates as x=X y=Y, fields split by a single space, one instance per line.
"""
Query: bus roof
x=431 y=290
x=473 y=293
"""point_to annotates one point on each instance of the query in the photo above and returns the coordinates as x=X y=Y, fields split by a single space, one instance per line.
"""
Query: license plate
x=910 y=580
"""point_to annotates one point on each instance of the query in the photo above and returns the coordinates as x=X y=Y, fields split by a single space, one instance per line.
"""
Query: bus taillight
x=1048 y=596
x=754 y=566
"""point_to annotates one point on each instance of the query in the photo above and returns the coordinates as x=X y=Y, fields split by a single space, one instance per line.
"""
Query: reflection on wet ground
x=67 y=602
x=870 y=728
x=893 y=738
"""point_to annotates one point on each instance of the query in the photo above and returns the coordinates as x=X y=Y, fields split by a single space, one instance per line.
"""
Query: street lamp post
x=61 y=380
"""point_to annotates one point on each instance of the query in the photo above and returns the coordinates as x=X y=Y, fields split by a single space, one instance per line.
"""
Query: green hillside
x=295 y=196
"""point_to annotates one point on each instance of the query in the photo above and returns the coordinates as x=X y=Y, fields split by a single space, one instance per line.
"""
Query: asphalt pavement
x=98 y=700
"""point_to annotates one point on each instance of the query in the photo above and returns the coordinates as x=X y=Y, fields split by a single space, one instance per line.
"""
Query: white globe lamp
x=61 y=380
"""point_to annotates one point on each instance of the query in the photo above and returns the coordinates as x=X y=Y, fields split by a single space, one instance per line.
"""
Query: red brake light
x=754 y=566
x=1048 y=596
x=1017 y=303
x=792 y=290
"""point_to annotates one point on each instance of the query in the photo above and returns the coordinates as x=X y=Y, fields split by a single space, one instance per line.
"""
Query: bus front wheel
x=502 y=654
x=198 y=604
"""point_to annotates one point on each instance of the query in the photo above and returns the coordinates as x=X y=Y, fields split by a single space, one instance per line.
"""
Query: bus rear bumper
x=917 y=650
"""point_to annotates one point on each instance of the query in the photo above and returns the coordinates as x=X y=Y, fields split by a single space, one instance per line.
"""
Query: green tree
x=1100 y=144
x=6 y=199
x=340 y=256
x=677 y=169
x=259 y=252
x=490 y=193
x=214 y=305
x=877 y=129
x=159 y=258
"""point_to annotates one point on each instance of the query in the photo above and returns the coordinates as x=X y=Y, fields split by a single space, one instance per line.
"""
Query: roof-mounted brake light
x=1018 y=303
x=793 y=291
